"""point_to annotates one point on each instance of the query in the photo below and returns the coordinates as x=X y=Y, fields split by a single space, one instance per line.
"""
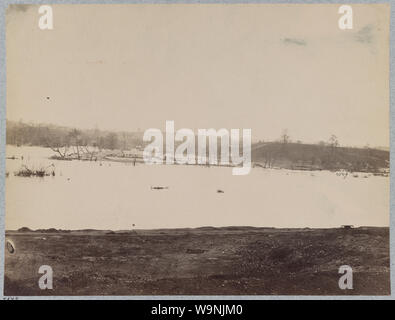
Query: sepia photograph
x=197 y=150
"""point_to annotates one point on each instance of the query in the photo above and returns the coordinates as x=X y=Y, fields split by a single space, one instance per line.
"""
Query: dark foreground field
x=203 y=261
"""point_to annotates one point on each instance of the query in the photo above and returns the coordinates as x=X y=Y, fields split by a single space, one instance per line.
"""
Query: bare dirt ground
x=202 y=261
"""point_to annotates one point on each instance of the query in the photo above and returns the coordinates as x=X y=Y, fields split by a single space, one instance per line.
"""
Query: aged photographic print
x=197 y=149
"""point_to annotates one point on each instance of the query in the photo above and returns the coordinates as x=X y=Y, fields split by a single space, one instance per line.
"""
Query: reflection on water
x=113 y=195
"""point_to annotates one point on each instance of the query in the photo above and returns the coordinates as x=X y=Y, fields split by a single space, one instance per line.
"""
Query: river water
x=118 y=196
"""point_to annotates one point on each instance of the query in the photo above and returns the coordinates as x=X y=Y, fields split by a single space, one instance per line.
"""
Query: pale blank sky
x=264 y=67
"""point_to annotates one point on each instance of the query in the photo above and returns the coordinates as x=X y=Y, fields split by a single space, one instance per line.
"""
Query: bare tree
x=76 y=141
x=333 y=142
x=111 y=141
x=58 y=143
x=90 y=151
x=62 y=151
x=124 y=138
x=285 y=137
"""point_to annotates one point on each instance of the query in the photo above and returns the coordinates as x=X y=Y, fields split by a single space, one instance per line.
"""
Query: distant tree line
x=47 y=135
x=328 y=155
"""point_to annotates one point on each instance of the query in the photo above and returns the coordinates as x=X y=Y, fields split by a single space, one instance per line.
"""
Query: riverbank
x=201 y=261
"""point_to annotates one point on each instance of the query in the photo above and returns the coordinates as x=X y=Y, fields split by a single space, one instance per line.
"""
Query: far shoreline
x=25 y=230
